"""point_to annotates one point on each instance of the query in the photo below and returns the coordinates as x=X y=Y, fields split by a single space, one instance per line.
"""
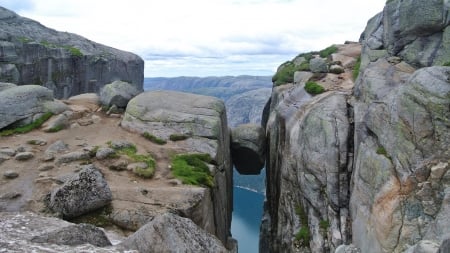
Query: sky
x=207 y=37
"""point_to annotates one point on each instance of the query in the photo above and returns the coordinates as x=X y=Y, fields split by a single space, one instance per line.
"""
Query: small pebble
x=10 y=174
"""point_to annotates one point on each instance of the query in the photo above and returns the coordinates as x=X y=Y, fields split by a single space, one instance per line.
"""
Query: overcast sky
x=207 y=37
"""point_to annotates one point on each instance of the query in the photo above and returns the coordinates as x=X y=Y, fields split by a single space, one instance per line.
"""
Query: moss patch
x=356 y=68
x=381 y=151
x=153 y=138
x=193 y=169
x=131 y=152
x=328 y=51
x=27 y=128
x=178 y=137
x=99 y=218
x=314 y=88
x=302 y=236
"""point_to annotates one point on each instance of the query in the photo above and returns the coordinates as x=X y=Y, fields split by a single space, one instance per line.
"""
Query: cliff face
x=68 y=64
x=368 y=166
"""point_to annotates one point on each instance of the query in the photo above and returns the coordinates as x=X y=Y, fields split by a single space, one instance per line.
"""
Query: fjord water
x=247 y=213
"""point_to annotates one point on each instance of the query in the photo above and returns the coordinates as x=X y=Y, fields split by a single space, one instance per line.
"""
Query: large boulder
x=23 y=104
x=84 y=192
x=118 y=93
x=66 y=63
x=172 y=233
x=318 y=65
x=203 y=119
x=248 y=148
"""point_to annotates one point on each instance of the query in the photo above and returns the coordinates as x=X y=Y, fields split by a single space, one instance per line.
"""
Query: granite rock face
x=248 y=148
x=118 y=93
x=201 y=118
x=66 y=63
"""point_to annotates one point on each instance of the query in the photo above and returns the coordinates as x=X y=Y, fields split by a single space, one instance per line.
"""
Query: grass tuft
x=328 y=51
x=131 y=152
x=381 y=151
x=178 y=137
x=153 y=138
x=356 y=68
x=193 y=169
x=314 y=88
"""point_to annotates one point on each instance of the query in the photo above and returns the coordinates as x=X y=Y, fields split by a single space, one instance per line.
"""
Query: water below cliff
x=247 y=213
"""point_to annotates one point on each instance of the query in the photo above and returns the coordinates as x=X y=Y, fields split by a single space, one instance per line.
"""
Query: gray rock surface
x=301 y=77
x=74 y=235
x=247 y=107
x=4 y=86
x=118 y=93
x=423 y=246
x=23 y=104
x=248 y=148
x=103 y=153
x=56 y=123
x=72 y=156
x=66 y=63
x=84 y=192
x=318 y=65
x=171 y=233
x=23 y=156
x=10 y=174
x=162 y=113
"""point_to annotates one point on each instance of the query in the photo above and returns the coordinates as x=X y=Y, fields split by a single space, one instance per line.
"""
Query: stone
x=23 y=156
x=85 y=192
x=445 y=246
x=90 y=101
x=96 y=119
x=85 y=122
x=75 y=235
x=113 y=110
x=336 y=69
x=248 y=148
x=46 y=167
x=4 y=86
x=347 y=249
x=247 y=107
x=120 y=144
x=318 y=65
x=10 y=195
x=58 y=146
x=120 y=165
x=10 y=174
x=3 y=158
x=22 y=104
x=423 y=246
x=118 y=93
x=134 y=166
x=438 y=171
x=301 y=77
x=103 y=153
x=56 y=123
x=37 y=141
x=7 y=151
x=172 y=233
x=72 y=156
x=97 y=65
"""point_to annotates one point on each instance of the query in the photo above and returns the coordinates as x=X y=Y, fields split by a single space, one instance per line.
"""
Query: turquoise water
x=247 y=213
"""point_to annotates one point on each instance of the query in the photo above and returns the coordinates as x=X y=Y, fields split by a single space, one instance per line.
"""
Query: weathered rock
x=7 y=151
x=85 y=192
x=23 y=156
x=103 y=153
x=336 y=69
x=347 y=249
x=66 y=63
x=120 y=144
x=74 y=235
x=318 y=65
x=72 y=156
x=121 y=164
x=171 y=233
x=301 y=77
x=18 y=230
x=134 y=166
x=10 y=174
x=10 y=195
x=45 y=167
x=247 y=107
x=56 y=123
x=423 y=246
x=163 y=113
x=248 y=148
x=37 y=141
x=3 y=158
x=118 y=93
x=91 y=101
x=4 y=86
x=23 y=104
x=445 y=246
x=57 y=147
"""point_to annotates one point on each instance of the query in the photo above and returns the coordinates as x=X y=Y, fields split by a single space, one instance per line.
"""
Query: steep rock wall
x=66 y=63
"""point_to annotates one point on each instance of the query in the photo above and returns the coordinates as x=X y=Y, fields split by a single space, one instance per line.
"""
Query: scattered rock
x=38 y=142
x=103 y=153
x=7 y=151
x=46 y=167
x=336 y=69
x=24 y=148
x=56 y=123
x=172 y=233
x=119 y=165
x=318 y=65
x=118 y=93
x=347 y=249
x=10 y=195
x=3 y=158
x=301 y=77
x=423 y=246
x=134 y=166
x=84 y=192
x=10 y=174
x=73 y=235
x=90 y=101
x=23 y=156
x=174 y=182
x=119 y=144
x=113 y=110
x=72 y=156
x=96 y=119
x=85 y=122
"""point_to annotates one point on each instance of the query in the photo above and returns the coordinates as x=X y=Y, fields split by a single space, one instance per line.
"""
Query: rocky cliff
x=367 y=165
x=66 y=63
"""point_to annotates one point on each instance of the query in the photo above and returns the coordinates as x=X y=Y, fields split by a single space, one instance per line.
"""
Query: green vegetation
x=285 y=75
x=75 y=52
x=328 y=51
x=55 y=129
x=302 y=235
x=178 y=137
x=27 y=128
x=93 y=151
x=356 y=68
x=381 y=151
x=324 y=224
x=314 y=88
x=193 y=169
x=24 y=39
x=447 y=64
x=99 y=218
x=153 y=138
x=131 y=152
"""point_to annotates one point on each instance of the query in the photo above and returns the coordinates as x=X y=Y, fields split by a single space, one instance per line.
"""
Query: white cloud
x=220 y=31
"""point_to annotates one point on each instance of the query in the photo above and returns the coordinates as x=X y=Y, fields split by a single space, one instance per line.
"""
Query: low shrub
x=192 y=169
x=324 y=224
x=313 y=88
x=178 y=137
x=153 y=138
x=27 y=128
x=328 y=51
x=356 y=68
x=303 y=236
x=381 y=151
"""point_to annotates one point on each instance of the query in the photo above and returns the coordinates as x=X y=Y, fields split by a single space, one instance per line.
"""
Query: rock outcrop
x=248 y=148
x=202 y=119
x=370 y=168
x=66 y=63
x=117 y=93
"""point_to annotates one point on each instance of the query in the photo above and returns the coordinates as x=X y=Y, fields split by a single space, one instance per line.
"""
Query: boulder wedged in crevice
x=248 y=148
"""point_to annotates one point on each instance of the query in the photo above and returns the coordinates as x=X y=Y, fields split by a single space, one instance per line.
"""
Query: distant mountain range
x=244 y=97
